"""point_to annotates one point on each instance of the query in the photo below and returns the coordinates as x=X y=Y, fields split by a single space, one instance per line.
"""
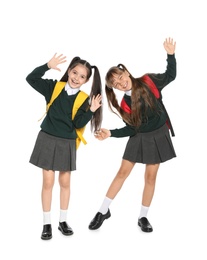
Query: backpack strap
x=147 y=80
x=125 y=107
x=81 y=97
x=57 y=89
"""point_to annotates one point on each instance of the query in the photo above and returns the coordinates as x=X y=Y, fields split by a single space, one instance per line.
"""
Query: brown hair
x=141 y=97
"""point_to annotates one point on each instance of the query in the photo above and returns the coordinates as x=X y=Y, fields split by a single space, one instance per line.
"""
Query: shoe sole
x=46 y=238
x=65 y=234
x=145 y=230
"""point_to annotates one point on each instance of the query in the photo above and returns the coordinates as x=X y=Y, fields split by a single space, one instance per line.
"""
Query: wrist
x=92 y=109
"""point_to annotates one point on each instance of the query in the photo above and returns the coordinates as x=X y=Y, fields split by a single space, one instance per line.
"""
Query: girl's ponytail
x=95 y=90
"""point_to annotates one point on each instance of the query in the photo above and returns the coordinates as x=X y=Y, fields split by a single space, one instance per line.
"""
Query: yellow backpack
x=81 y=97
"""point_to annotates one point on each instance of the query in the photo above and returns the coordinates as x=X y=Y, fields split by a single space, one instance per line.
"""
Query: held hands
x=55 y=61
x=95 y=102
x=102 y=134
x=169 y=46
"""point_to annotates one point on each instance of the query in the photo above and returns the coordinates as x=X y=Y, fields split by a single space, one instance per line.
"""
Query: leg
x=64 y=181
x=149 y=187
x=123 y=173
x=47 y=186
x=104 y=212
x=147 y=196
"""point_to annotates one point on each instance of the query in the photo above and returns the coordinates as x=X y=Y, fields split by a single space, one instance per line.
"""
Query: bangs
x=109 y=79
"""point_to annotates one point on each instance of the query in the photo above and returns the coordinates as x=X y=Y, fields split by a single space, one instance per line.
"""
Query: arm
x=44 y=86
x=121 y=132
x=163 y=79
x=84 y=114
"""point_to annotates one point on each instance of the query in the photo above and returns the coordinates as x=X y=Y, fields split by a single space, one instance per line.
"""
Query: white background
x=105 y=33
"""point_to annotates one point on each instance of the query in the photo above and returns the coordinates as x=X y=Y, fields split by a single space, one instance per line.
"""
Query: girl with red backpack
x=147 y=125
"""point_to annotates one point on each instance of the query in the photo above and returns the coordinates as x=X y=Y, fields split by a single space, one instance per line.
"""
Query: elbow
x=28 y=79
x=173 y=77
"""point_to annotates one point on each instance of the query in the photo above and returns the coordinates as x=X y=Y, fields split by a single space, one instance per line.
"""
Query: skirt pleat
x=54 y=153
x=150 y=148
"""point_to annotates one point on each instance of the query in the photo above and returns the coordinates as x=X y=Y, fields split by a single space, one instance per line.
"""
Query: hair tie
x=77 y=58
x=109 y=88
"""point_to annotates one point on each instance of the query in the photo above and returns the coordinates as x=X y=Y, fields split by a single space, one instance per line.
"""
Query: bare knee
x=48 y=180
x=151 y=174
x=122 y=175
x=150 y=179
x=125 y=169
x=64 y=180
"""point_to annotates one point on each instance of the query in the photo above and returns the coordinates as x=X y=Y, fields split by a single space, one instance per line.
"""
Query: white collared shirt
x=128 y=93
x=71 y=91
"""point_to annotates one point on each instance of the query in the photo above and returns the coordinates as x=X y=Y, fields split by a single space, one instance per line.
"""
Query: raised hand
x=169 y=46
x=55 y=61
x=95 y=102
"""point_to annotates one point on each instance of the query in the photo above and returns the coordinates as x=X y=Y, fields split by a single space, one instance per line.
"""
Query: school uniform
x=55 y=146
x=151 y=143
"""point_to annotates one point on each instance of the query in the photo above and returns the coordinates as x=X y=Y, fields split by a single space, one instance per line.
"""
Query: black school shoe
x=98 y=220
x=47 y=232
x=65 y=229
x=145 y=225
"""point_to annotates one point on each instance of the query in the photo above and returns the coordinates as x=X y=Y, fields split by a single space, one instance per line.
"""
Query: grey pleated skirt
x=54 y=153
x=150 y=148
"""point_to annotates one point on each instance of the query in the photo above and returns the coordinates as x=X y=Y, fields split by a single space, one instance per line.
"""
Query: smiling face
x=121 y=81
x=77 y=76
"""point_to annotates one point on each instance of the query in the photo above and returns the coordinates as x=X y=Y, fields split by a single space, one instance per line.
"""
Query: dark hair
x=141 y=97
x=95 y=89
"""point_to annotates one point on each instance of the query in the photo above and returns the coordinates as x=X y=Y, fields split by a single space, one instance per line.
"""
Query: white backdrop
x=105 y=33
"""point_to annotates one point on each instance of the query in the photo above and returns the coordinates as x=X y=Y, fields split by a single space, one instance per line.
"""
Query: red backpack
x=157 y=94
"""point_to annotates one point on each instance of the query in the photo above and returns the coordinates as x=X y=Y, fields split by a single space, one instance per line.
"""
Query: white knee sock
x=105 y=205
x=46 y=217
x=143 y=211
x=63 y=215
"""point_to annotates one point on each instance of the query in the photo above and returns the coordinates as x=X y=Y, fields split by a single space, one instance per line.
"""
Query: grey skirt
x=150 y=148
x=54 y=153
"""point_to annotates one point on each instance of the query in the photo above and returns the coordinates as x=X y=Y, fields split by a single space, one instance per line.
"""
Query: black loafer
x=98 y=220
x=145 y=225
x=65 y=228
x=47 y=232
